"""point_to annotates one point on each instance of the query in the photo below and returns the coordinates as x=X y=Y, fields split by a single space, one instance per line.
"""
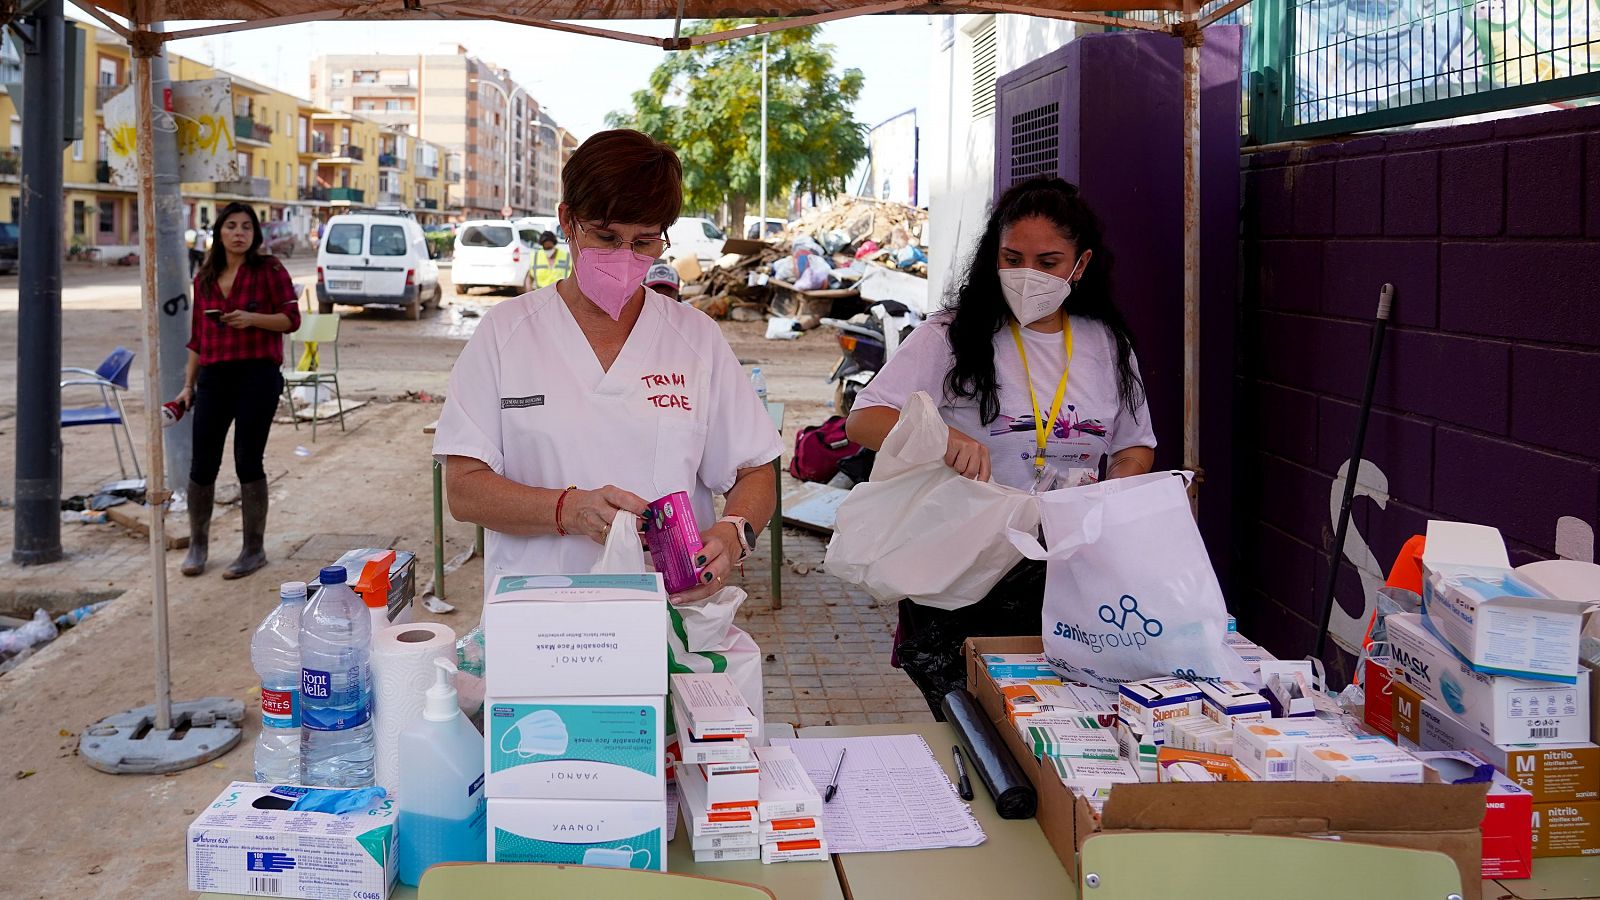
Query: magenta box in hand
x=674 y=541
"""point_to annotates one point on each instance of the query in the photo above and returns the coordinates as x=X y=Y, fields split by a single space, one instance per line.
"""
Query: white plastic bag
x=920 y=530
x=1130 y=592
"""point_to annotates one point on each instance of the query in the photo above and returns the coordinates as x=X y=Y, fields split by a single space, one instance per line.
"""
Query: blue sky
x=579 y=79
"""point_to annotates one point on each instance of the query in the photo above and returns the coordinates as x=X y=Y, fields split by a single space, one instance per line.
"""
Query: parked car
x=758 y=229
x=496 y=253
x=9 y=237
x=278 y=238
x=695 y=236
x=375 y=259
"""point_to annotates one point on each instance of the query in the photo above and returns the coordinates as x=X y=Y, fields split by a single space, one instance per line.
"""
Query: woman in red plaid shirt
x=244 y=302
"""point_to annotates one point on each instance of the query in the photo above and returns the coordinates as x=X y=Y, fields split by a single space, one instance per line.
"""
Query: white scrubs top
x=1093 y=422
x=676 y=412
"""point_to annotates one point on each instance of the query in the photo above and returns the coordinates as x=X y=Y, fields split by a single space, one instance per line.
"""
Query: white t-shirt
x=1093 y=422
x=676 y=412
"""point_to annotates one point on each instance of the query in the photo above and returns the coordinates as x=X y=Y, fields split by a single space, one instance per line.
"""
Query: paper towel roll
x=402 y=670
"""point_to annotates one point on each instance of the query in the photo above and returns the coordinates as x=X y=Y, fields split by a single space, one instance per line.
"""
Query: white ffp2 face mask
x=1033 y=294
x=540 y=733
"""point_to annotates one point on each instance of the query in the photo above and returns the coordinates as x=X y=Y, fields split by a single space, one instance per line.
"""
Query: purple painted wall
x=1488 y=402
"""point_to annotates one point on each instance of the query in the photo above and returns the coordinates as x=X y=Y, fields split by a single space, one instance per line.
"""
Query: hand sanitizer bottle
x=442 y=808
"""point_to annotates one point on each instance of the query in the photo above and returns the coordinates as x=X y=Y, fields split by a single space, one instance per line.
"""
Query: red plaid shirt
x=262 y=288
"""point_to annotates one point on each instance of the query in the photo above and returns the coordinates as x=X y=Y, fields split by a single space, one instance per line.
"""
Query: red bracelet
x=560 y=502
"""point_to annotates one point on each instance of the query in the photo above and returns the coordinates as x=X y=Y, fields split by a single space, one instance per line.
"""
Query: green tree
x=706 y=103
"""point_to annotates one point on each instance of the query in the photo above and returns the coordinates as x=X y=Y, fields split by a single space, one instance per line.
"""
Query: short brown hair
x=624 y=176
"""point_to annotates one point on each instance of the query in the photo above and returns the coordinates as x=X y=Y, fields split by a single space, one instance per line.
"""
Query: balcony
x=102 y=172
x=104 y=92
x=345 y=194
x=351 y=151
x=314 y=193
x=425 y=171
x=391 y=161
x=317 y=146
x=391 y=198
x=246 y=128
x=246 y=187
x=427 y=203
x=10 y=162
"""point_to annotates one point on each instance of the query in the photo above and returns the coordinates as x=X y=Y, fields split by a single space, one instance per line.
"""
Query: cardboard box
x=1497 y=622
x=576 y=636
x=1566 y=829
x=248 y=842
x=814 y=849
x=697 y=811
x=1148 y=705
x=697 y=752
x=712 y=707
x=1269 y=749
x=623 y=834
x=574 y=748
x=1053 y=734
x=1507 y=818
x=1438 y=817
x=1173 y=764
x=1551 y=772
x=1369 y=760
x=1226 y=702
x=786 y=789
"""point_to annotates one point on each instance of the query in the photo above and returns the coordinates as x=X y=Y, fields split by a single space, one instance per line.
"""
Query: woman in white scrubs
x=1033 y=369
x=596 y=394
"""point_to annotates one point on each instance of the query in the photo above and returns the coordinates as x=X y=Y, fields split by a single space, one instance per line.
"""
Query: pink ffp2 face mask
x=609 y=277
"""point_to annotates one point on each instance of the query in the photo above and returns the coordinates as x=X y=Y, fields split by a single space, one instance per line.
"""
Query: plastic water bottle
x=275 y=654
x=336 y=686
x=760 y=382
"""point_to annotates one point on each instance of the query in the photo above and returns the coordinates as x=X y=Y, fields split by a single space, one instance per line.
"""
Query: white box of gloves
x=575 y=748
x=249 y=842
x=575 y=636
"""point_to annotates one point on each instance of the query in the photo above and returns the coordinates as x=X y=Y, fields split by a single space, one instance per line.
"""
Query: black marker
x=963 y=783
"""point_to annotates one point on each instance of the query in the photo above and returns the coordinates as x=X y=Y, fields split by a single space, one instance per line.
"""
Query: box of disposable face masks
x=576 y=636
x=619 y=834
x=249 y=842
x=574 y=748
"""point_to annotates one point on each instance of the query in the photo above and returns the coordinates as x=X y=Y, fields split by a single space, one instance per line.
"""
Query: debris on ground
x=20 y=641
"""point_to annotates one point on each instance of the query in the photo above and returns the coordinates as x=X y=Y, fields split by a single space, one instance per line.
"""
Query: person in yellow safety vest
x=553 y=264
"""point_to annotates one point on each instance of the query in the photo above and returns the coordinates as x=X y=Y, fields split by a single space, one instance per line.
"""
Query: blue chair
x=111 y=377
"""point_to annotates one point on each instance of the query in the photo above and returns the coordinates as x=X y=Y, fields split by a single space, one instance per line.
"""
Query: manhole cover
x=323 y=549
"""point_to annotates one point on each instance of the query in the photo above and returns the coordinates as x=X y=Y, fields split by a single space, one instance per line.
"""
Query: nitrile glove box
x=249 y=842
x=574 y=748
x=1503 y=709
x=620 y=834
x=576 y=636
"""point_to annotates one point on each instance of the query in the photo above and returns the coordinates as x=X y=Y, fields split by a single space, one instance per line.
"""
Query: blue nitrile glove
x=338 y=801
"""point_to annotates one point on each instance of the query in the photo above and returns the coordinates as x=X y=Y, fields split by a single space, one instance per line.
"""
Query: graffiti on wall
x=202 y=116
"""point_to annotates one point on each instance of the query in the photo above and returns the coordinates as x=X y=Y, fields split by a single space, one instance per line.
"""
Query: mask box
x=1550 y=772
x=1377 y=709
x=1057 y=735
x=1499 y=623
x=620 y=834
x=712 y=707
x=1149 y=705
x=249 y=842
x=795 y=851
x=796 y=829
x=1173 y=764
x=702 y=818
x=1226 y=702
x=698 y=752
x=786 y=790
x=732 y=854
x=1566 y=829
x=1268 y=749
x=1505 y=710
x=1090 y=774
x=576 y=636
x=1026 y=666
x=1357 y=760
x=1508 y=812
x=726 y=842
x=575 y=748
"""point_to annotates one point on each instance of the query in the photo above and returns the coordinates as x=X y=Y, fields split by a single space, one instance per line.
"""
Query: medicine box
x=1353 y=760
x=1497 y=622
x=1550 y=772
x=576 y=636
x=807 y=828
x=731 y=854
x=1173 y=764
x=1137 y=749
x=1289 y=686
x=1202 y=735
x=697 y=811
x=1503 y=709
x=1080 y=698
x=794 y=851
x=786 y=790
x=748 y=840
x=1093 y=773
x=1018 y=665
x=732 y=785
x=621 y=834
x=1226 y=702
x=1055 y=734
x=1268 y=748
x=1566 y=829
x=575 y=748
x=712 y=706
x=698 y=752
x=1149 y=705
x=1507 y=826
x=249 y=842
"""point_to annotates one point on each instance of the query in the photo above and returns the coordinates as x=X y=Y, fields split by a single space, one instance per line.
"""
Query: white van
x=376 y=259
x=495 y=253
x=695 y=236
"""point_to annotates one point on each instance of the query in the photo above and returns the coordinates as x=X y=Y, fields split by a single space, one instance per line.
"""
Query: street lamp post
x=761 y=216
x=508 y=97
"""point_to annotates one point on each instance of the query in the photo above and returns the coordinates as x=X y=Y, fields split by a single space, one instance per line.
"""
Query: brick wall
x=1487 y=406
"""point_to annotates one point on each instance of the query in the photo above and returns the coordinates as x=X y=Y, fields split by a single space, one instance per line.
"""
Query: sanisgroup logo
x=1133 y=628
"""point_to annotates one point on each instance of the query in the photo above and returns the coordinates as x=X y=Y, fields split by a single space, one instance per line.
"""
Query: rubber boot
x=200 y=498
x=253 y=507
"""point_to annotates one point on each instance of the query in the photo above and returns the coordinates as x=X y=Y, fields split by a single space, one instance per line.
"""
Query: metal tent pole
x=1193 y=38
x=761 y=216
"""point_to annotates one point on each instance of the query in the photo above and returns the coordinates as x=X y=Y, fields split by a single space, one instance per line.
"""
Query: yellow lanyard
x=1042 y=426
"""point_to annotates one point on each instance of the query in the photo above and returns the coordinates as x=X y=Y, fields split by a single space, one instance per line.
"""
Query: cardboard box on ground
x=1434 y=816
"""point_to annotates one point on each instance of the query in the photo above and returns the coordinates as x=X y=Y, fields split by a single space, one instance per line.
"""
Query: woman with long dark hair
x=1032 y=367
x=244 y=302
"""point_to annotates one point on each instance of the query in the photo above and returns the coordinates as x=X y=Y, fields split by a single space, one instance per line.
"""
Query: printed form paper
x=892 y=795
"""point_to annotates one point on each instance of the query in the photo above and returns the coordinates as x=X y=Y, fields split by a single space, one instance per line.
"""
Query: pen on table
x=963 y=783
x=833 y=786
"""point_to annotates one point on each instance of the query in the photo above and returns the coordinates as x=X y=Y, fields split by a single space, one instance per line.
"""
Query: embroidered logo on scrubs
x=521 y=402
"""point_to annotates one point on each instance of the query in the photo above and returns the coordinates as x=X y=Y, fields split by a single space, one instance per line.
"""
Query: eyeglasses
x=651 y=247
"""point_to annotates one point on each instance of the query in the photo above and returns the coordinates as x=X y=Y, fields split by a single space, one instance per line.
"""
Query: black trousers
x=241 y=394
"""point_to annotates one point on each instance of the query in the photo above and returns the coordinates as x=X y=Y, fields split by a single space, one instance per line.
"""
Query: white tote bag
x=1130 y=592
x=920 y=530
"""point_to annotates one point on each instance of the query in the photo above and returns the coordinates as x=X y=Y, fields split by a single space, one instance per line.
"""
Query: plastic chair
x=322 y=330
x=517 y=881
x=111 y=377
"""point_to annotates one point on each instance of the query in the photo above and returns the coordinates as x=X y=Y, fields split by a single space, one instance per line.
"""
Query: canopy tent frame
x=147 y=43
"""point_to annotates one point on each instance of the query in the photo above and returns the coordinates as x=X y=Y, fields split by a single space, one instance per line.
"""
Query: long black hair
x=980 y=309
x=216 y=261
